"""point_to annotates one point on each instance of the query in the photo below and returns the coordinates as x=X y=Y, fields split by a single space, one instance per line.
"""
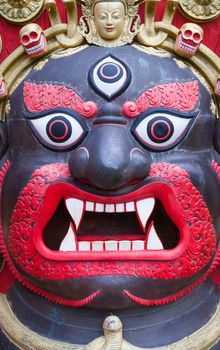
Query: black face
x=111 y=196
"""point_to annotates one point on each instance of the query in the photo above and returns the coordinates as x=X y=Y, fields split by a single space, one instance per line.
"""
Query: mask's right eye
x=58 y=130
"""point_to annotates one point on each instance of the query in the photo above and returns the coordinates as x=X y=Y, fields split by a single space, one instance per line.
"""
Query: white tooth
x=69 y=242
x=97 y=246
x=84 y=246
x=120 y=208
x=138 y=245
x=130 y=206
x=109 y=208
x=99 y=207
x=125 y=245
x=111 y=245
x=89 y=206
x=144 y=210
x=75 y=208
x=153 y=241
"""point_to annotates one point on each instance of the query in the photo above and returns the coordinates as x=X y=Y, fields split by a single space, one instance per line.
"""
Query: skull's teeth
x=187 y=47
x=37 y=48
x=143 y=208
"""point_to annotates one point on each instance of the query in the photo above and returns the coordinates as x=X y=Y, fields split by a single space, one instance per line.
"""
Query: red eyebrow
x=180 y=96
x=42 y=97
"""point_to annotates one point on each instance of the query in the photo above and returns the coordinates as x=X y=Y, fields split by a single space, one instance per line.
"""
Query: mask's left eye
x=160 y=131
x=58 y=130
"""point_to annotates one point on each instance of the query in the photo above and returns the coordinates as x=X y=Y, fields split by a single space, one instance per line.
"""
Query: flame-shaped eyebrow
x=43 y=97
x=180 y=96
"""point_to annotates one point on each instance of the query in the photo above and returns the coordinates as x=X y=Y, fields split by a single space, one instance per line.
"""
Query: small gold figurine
x=109 y=23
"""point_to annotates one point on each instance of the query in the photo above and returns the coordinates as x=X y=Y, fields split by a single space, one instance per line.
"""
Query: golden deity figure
x=109 y=23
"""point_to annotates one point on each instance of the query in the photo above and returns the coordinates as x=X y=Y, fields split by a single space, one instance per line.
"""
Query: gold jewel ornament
x=200 y=10
x=109 y=23
x=21 y=11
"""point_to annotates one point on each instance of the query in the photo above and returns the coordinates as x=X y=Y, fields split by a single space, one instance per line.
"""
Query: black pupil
x=161 y=130
x=58 y=129
x=110 y=70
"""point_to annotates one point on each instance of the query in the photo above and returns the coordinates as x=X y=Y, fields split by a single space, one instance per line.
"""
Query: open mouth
x=145 y=224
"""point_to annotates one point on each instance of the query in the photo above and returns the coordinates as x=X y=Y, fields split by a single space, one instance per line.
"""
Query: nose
x=109 y=20
x=109 y=159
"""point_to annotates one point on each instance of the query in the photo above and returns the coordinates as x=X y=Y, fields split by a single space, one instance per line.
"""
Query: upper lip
x=77 y=201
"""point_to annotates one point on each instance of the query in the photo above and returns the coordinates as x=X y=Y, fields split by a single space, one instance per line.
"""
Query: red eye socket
x=196 y=36
x=33 y=35
x=188 y=33
x=25 y=39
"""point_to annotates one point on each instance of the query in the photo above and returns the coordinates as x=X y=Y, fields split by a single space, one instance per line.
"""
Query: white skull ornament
x=188 y=39
x=217 y=86
x=3 y=88
x=33 y=40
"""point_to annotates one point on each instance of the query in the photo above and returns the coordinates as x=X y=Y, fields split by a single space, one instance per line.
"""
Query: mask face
x=110 y=191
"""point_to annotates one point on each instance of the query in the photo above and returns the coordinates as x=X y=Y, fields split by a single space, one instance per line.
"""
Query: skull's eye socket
x=33 y=35
x=58 y=130
x=196 y=36
x=163 y=130
x=188 y=33
x=25 y=39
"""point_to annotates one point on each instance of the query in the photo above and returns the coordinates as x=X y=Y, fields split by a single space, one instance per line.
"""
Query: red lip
x=188 y=211
x=159 y=190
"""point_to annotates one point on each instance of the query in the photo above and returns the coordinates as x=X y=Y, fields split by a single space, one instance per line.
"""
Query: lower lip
x=160 y=190
x=109 y=29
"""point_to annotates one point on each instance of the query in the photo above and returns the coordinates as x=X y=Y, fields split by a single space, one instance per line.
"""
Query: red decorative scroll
x=216 y=167
x=179 y=96
x=41 y=97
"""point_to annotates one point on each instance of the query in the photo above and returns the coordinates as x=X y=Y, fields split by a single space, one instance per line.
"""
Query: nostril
x=78 y=162
x=141 y=162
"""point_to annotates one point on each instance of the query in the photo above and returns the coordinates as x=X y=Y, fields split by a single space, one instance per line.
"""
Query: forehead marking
x=42 y=97
x=109 y=77
x=179 y=96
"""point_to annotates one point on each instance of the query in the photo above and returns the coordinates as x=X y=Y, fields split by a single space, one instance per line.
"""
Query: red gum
x=43 y=97
x=178 y=96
